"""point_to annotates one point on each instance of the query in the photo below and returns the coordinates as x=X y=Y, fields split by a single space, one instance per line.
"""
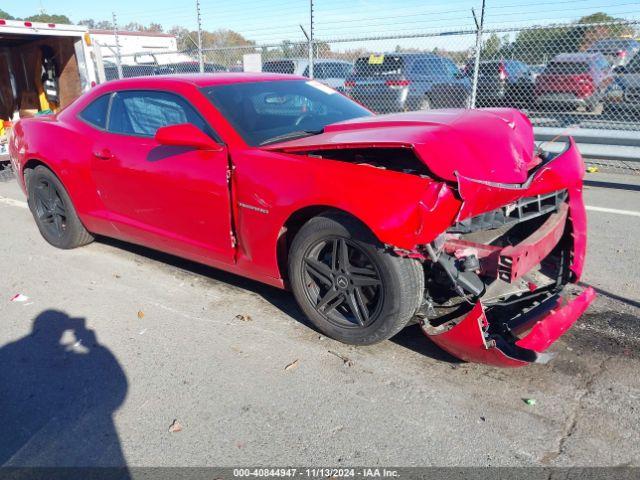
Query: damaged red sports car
x=450 y=218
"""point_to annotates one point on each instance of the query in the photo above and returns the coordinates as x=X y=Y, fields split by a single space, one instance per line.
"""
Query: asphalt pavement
x=124 y=356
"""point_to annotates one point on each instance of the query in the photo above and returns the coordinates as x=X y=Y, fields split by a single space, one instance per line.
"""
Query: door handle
x=104 y=154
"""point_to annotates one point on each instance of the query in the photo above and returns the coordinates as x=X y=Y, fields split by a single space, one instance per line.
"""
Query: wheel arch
x=30 y=165
x=294 y=223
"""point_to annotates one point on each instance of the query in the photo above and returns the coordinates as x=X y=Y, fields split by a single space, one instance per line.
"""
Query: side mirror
x=186 y=135
x=620 y=69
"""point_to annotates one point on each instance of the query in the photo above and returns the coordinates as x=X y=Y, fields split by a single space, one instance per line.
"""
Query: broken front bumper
x=506 y=329
x=470 y=339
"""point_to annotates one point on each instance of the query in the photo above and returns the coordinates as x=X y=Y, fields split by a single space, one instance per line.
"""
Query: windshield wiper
x=292 y=135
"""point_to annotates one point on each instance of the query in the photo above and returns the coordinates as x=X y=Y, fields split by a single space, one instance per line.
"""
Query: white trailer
x=43 y=66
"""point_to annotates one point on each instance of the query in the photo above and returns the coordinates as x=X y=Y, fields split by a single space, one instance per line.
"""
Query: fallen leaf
x=19 y=297
x=244 y=318
x=292 y=365
x=175 y=426
x=140 y=314
x=529 y=401
x=346 y=360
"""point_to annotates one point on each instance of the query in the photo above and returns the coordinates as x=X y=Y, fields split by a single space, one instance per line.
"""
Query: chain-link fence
x=578 y=75
x=565 y=75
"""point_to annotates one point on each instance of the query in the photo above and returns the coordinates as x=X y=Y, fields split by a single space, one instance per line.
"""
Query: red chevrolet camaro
x=448 y=218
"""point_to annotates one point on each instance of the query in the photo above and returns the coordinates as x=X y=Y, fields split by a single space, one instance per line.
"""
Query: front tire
x=349 y=286
x=53 y=210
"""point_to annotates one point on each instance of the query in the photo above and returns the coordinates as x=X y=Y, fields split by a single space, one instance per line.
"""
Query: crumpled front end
x=496 y=279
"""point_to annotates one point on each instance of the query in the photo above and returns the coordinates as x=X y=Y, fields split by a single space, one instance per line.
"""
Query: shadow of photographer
x=59 y=388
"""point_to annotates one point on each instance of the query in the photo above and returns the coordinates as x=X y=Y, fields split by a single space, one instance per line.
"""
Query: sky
x=271 y=21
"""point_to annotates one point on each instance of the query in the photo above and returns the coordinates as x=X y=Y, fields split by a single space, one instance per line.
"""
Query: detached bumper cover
x=486 y=334
x=469 y=339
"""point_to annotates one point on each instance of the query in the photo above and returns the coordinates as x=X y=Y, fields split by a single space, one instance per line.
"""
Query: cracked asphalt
x=115 y=342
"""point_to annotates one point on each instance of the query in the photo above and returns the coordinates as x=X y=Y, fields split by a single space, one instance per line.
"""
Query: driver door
x=174 y=199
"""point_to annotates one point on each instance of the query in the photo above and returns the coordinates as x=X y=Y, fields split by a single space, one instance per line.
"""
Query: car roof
x=200 y=79
x=576 y=57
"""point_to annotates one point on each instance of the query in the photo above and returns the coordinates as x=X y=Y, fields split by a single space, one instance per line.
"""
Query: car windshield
x=267 y=112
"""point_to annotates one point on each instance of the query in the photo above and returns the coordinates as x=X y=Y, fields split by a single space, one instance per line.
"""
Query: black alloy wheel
x=348 y=284
x=49 y=208
x=343 y=283
x=53 y=209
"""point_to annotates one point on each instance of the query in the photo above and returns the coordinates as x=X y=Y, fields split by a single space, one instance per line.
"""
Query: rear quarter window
x=96 y=112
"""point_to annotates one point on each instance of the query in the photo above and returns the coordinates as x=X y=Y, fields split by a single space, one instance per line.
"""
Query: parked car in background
x=189 y=67
x=618 y=51
x=573 y=80
x=397 y=82
x=331 y=72
x=623 y=95
x=502 y=83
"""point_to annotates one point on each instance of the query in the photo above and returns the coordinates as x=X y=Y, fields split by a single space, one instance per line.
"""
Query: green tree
x=5 y=15
x=491 y=47
x=48 y=18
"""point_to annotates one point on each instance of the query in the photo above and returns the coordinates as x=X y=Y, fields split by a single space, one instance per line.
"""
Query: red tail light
x=397 y=83
x=585 y=84
x=349 y=83
x=28 y=24
x=3 y=21
x=502 y=72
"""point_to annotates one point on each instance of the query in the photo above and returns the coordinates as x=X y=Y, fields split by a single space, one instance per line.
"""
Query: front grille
x=522 y=210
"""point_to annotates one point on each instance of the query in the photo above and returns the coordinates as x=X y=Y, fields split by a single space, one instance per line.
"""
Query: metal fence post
x=478 y=51
x=310 y=38
x=199 y=17
x=115 y=33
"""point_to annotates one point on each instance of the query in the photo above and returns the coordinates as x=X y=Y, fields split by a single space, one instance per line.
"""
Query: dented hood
x=495 y=145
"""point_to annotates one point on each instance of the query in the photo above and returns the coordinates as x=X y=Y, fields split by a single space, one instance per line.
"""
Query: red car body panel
x=479 y=160
x=492 y=144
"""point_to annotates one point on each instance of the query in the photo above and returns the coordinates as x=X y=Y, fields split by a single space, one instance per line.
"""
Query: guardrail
x=614 y=145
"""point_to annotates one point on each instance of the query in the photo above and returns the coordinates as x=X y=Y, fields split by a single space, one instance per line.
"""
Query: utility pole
x=310 y=38
x=115 y=34
x=476 y=63
x=200 y=57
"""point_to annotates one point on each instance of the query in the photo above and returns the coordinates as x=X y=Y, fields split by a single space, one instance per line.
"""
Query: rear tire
x=53 y=210
x=349 y=286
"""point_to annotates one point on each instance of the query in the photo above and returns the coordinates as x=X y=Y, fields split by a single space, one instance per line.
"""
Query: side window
x=141 y=113
x=428 y=67
x=96 y=112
